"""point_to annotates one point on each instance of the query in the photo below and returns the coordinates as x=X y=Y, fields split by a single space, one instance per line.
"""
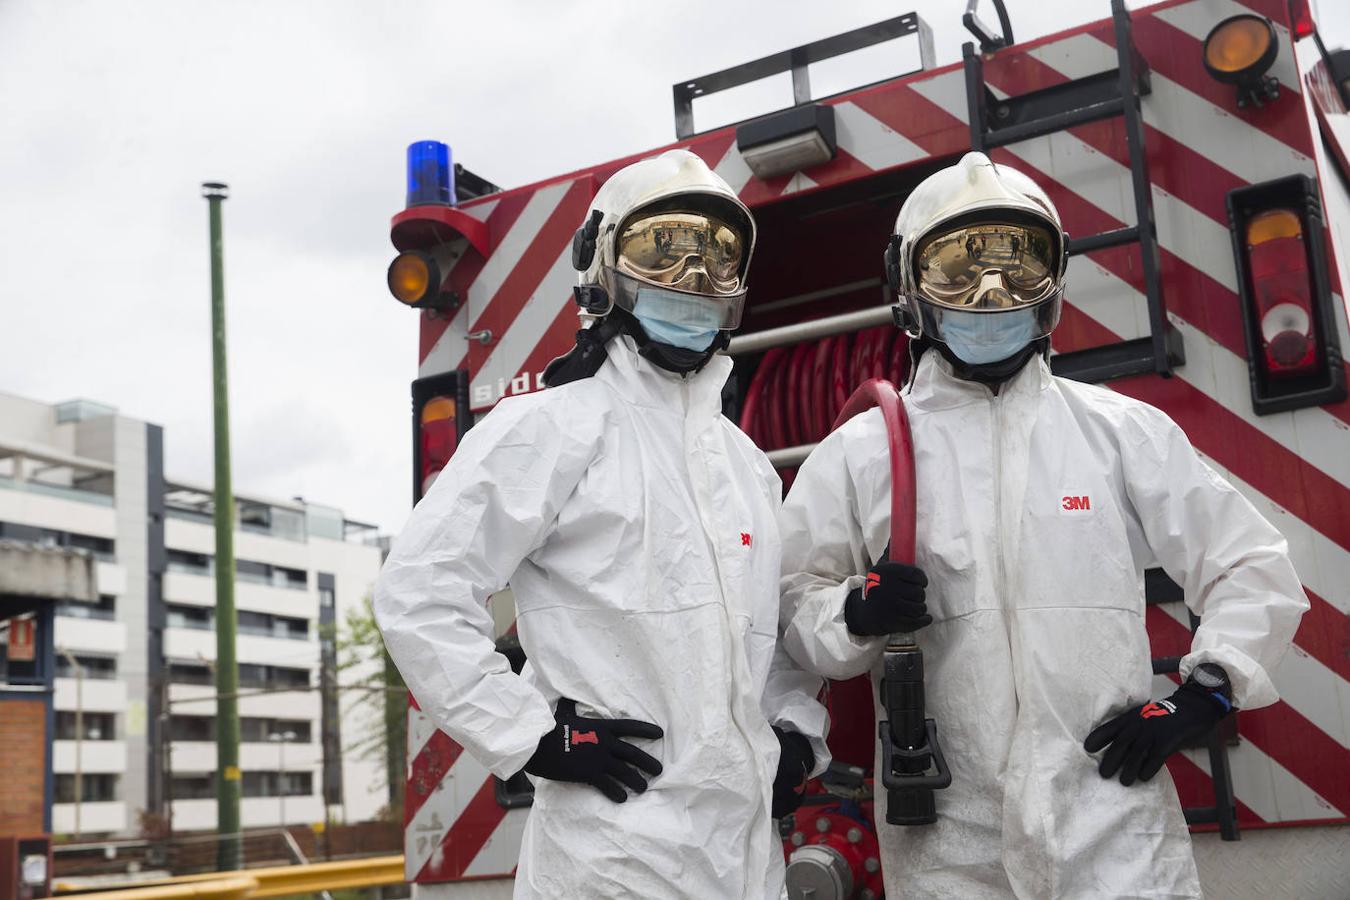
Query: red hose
x=881 y=365
x=859 y=368
x=751 y=412
x=799 y=371
x=820 y=393
x=882 y=394
x=776 y=432
x=840 y=386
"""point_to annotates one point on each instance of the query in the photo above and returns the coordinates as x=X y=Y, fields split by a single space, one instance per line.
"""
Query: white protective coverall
x=637 y=528
x=1038 y=606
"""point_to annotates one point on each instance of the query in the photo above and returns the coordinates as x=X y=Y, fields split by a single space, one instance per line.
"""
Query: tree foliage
x=363 y=662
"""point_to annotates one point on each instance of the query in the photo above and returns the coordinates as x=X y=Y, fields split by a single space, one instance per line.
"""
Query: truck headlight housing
x=1239 y=51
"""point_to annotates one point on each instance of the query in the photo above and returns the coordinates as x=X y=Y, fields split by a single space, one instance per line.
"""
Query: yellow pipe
x=327 y=876
x=274 y=881
x=219 y=888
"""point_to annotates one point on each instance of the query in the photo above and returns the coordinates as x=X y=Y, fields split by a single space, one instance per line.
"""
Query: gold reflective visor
x=688 y=251
x=987 y=266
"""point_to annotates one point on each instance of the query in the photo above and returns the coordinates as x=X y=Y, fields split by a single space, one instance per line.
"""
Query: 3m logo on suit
x=1075 y=503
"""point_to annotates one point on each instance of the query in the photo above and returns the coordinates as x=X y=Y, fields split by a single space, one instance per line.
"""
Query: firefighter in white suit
x=1040 y=503
x=658 y=714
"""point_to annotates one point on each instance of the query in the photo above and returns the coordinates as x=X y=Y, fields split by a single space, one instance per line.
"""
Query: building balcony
x=93 y=635
x=190 y=643
x=184 y=587
x=200 y=756
x=199 y=589
x=200 y=644
x=95 y=757
x=95 y=817
x=198 y=536
x=254 y=812
x=260 y=812
x=98 y=695
x=199 y=700
x=62 y=509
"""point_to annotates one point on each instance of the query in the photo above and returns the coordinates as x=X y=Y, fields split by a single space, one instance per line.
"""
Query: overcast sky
x=112 y=114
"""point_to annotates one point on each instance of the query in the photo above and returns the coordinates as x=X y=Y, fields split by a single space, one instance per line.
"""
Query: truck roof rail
x=796 y=61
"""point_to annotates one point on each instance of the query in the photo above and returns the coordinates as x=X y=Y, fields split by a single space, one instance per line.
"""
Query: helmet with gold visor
x=977 y=260
x=670 y=233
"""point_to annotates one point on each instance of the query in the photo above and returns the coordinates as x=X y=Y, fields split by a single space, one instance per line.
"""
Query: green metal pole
x=227 y=668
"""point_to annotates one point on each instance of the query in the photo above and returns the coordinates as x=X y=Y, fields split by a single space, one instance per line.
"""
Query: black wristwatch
x=1215 y=680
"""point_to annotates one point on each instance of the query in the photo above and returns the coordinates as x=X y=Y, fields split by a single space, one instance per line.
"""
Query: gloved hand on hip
x=589 y=751
x=1142 y=738
x=795 y=762
x=890 y=600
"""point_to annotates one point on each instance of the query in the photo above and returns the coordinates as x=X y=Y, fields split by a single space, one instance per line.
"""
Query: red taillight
x=1300 y=19
x=1281 y=286
x=439 y=436
x=1289 y=313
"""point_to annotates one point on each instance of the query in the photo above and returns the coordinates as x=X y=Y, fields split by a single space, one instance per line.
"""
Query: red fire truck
x=1199 y=153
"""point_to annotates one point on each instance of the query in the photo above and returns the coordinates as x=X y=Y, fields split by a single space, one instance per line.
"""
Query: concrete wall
x=57 y=574
x=126 y=438
x=28 y=420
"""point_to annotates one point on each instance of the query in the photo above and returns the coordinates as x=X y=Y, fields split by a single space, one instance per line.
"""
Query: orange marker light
x=1237 y=44
x=1240 y=51
x=410 y=277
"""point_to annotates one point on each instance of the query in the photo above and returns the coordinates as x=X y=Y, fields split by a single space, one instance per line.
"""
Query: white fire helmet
x=977 y=260
x=671 y=225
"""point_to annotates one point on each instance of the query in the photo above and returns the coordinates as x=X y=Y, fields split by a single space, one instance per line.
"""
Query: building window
x=192 y=728
x=246 y=570
x=248 y=622
x=258 y=731
x=102 y=548
x=325 y=596
x=191 y=563
x=252 y=730
x=273 y=576
x=201 y=786
x=96 y=788
x=258 y=676
x=263 y=518
x=181 y=616
x=105 y=608
x=191 y=513
x=268 y=625
x=97 y=726
x=102 y=668
x=275 y=784
x=190 y=673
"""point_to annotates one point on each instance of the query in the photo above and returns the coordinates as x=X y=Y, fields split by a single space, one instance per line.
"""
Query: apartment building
x=134 y=686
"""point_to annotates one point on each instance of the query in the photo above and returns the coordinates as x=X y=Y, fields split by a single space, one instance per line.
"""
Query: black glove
x=795 y=762
x=890 y=600
x=588 y=751
x=1142 y=738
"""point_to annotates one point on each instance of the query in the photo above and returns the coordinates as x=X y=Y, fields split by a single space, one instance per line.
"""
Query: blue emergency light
x=431 y=179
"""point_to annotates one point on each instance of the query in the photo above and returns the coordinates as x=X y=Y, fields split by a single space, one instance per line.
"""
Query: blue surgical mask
x=678 y=319
x=979 y=338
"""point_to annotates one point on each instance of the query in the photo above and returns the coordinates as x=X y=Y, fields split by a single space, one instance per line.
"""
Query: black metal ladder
x=995 y=122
